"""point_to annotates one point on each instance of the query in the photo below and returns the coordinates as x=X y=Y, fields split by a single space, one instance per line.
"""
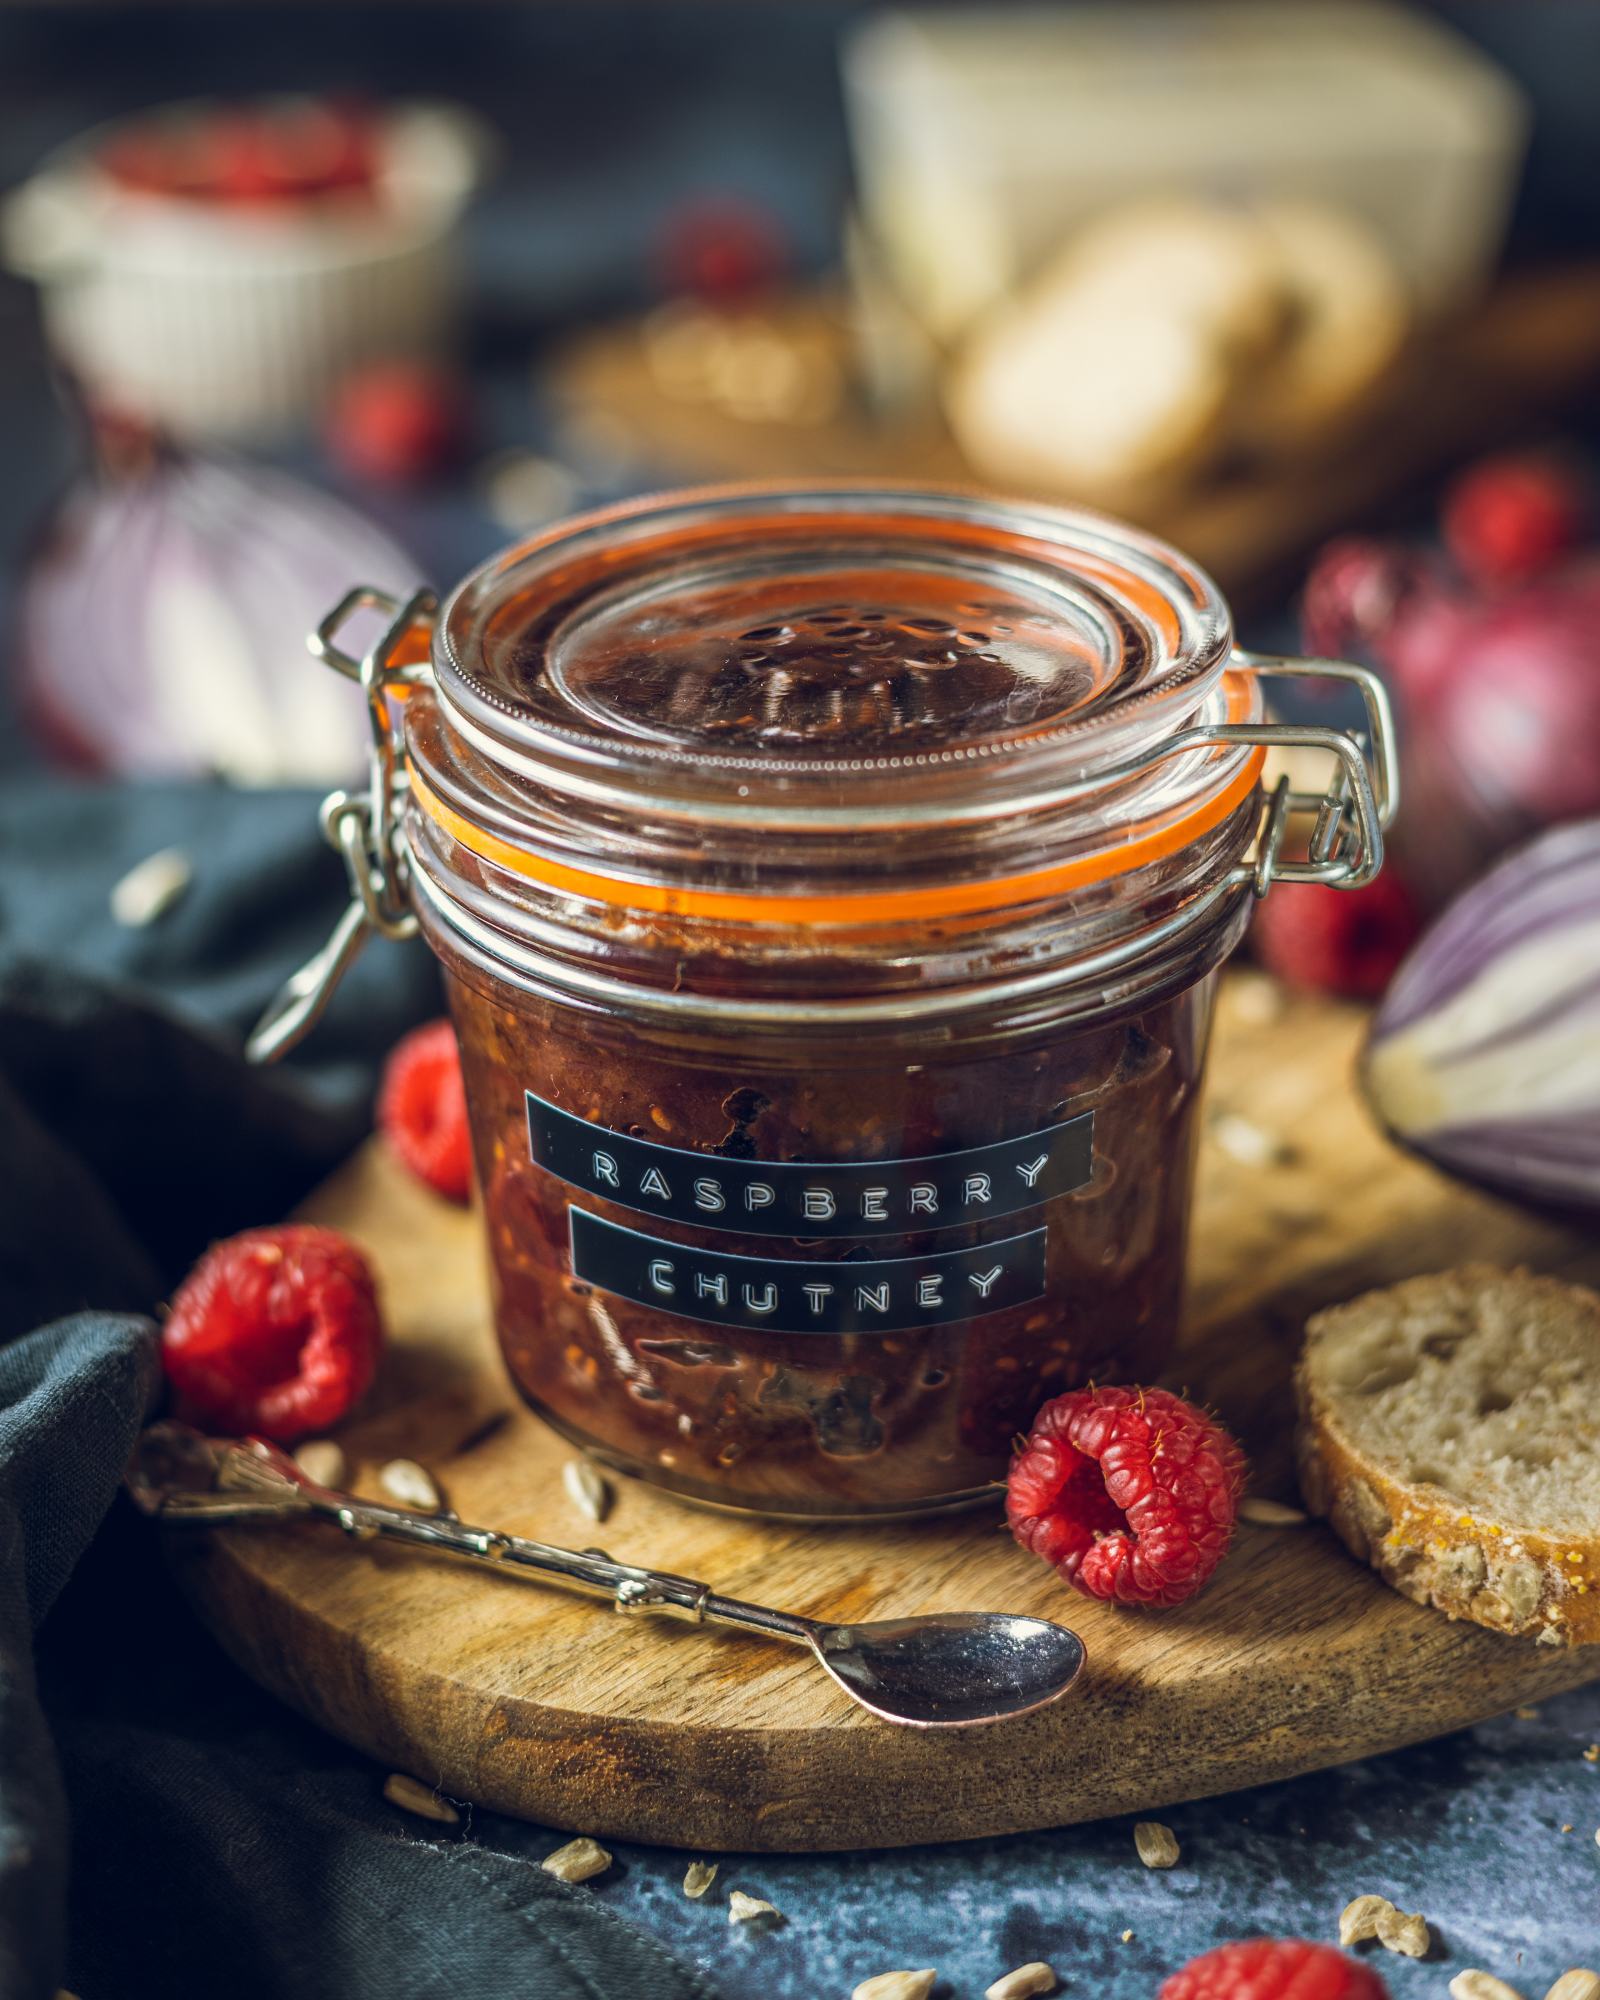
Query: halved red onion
x=1485 y=1054
x=164 y=620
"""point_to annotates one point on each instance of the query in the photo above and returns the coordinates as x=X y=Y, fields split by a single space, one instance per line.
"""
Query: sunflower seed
x=743 y=1909
x=322 y=1462
x=150 y=888
x=1024 y=1983
x=1157 y=1845
x=1271 y=1513
x=1358 y=1921
x=577 y=1861
x=699 y=1878
x=404 y=1480
x=897 y=1985
x=413 y=1797
x=1248 y=1143
x=1472 y=1985
x=1407 y=1935
x=1258 y=999
x=1578 y=1984
x=587 y=1491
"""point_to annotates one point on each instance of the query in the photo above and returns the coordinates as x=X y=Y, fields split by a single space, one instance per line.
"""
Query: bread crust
x=1420 y=1539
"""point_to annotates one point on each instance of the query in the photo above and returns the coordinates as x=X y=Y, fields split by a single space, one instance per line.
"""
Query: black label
x=724 y=1288
x=813 y=1199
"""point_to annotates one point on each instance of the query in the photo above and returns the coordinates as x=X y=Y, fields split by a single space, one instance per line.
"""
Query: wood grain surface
x=546 y=1705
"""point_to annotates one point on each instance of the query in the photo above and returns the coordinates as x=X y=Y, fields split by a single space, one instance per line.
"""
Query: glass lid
x=837 y=648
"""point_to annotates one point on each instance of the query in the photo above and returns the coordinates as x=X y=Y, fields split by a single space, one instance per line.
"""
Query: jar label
x=726 y=1288
x=813 y=1199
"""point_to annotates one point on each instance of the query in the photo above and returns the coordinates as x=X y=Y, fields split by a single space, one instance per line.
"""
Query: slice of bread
x=1111 y=376
x=1450 y=1432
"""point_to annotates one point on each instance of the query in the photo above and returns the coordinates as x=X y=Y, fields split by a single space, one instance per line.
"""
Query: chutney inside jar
x=830 y=887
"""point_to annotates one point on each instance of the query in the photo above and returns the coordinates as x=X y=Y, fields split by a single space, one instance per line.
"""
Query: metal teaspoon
x=945 y=1670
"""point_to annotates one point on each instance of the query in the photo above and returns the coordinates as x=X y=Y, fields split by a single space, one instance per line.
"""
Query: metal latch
x=363 y=827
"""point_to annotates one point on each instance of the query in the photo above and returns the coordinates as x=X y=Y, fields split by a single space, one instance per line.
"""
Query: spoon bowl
x=948 y=1669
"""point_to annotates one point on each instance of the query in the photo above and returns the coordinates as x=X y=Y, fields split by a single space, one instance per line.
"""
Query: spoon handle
x=249 y=1480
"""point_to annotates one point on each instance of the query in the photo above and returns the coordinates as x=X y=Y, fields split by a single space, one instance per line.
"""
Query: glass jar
x=830 y=887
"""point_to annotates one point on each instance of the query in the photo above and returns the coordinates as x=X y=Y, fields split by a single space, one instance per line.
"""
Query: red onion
x=1485 y=1055
x=164 y=623
x=1499 y=697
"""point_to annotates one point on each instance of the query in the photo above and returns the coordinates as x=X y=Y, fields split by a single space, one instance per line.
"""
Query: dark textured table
x=1492 y=1834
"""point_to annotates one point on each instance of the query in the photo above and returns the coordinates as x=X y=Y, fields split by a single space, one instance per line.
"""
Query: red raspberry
x=1131 y=1493
x=1346 y=941
x=1274 y=1969
x=722 y=250
x=276 y=1331
x=422 y=1110
x=1511 y=517
x=398 y=423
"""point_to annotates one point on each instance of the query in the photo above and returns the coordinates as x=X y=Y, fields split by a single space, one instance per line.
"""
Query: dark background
x=611 y=117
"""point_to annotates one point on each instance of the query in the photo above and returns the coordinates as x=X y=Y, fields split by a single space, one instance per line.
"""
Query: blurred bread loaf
x=1168 y=331
x=1115 y=370
x=1450 y=1432
x=1346 y=320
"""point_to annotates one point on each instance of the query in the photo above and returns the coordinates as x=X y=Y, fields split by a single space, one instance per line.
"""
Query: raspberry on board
x=1130 y=1493
x=422 y=1110
x=276 y=1332
x=1274 y=1969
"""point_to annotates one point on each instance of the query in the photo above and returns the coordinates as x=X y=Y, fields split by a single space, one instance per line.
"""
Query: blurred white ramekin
x=228 y=321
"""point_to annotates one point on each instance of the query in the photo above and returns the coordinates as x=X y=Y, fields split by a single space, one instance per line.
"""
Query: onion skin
x=1485 y=1054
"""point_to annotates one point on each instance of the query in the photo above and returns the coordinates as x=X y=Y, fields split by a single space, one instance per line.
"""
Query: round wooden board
x=543 y=1704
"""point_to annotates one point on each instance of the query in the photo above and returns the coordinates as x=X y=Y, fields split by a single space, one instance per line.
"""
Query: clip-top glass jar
x=830 y=886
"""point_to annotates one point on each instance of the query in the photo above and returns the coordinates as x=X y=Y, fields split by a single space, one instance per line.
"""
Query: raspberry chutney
x=831 y=886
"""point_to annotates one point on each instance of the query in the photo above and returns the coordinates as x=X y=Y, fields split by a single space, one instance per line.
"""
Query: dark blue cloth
x=217 y=1844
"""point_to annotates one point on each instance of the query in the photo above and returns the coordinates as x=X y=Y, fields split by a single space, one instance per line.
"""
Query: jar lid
x=829 y=655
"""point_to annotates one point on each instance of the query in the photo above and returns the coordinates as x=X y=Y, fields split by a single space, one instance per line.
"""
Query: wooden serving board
x=1503 y=367
x=543 y=1704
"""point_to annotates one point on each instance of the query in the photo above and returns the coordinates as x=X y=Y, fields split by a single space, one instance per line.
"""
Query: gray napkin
x=165 y=1829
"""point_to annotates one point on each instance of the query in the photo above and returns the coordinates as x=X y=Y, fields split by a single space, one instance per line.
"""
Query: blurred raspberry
x=250 y=153
x=1510 y=518
x=721 y=250
x=1343 y=941
x=398 y=423
x=1353 y=595
x=1274 y=1969
x=1130 y=1493
x=422 y=1110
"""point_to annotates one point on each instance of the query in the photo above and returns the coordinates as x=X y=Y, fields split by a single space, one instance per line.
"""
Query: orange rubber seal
x=953 y=899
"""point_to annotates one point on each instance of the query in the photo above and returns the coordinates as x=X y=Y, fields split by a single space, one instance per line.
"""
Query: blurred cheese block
x=984 y=135
x=1347 y=319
